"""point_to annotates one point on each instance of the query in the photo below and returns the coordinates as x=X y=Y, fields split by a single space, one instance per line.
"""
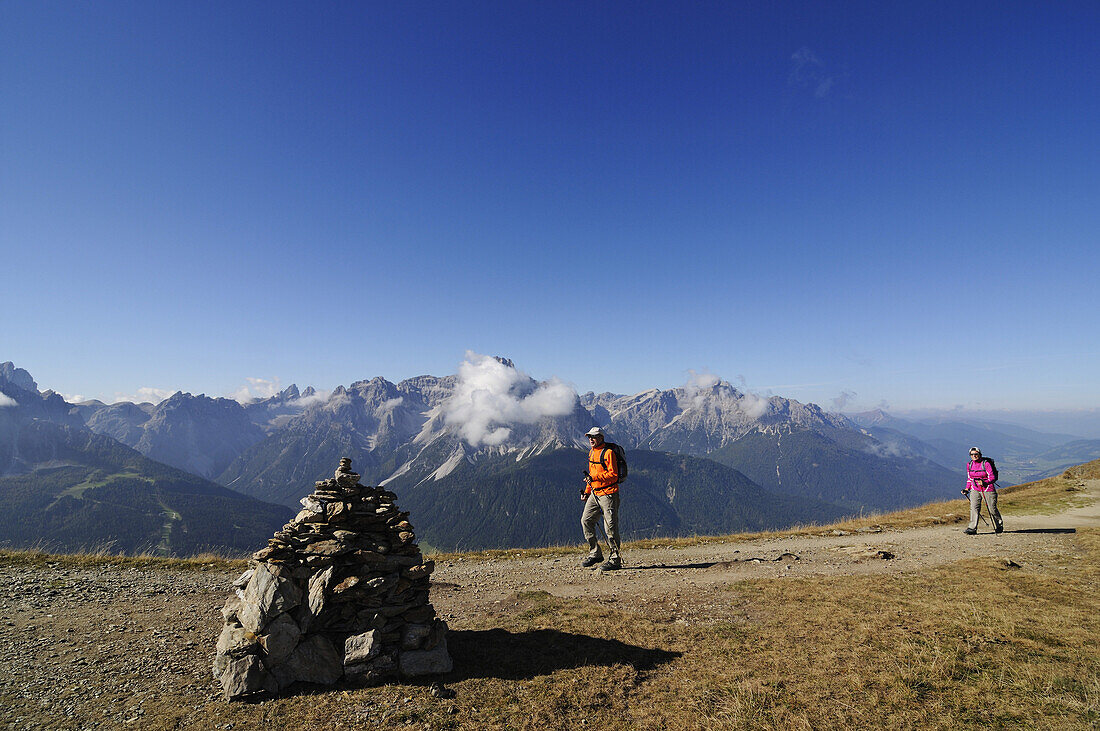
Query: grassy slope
x=103 y=494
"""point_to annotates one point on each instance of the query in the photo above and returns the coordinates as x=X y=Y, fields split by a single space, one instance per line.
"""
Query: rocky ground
x=103 y=647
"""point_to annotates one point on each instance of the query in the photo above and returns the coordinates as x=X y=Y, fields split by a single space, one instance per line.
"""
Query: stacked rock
x=340 y=593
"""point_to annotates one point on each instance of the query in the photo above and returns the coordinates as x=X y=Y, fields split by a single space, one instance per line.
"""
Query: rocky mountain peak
x=17 y=377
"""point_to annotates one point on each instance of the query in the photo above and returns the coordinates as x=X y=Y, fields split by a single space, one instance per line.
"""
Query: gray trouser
x=990 y=503
x=608 y=505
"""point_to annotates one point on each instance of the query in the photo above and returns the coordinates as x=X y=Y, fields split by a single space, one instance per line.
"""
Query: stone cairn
x=340 y=593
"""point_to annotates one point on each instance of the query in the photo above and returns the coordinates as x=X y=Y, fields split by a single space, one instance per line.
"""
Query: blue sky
x=895 y=202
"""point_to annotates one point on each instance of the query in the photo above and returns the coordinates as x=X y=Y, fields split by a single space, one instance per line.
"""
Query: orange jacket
x=604 y=475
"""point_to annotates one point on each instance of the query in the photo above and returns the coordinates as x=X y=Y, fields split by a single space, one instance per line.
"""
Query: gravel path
x=97 y=647
x=1040 y=539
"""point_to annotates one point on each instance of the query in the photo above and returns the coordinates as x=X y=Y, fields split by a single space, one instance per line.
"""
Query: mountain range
x=1022 y=454
x=490 y=457
x=64 y=487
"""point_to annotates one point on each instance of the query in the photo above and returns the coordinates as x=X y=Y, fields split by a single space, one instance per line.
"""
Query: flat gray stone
x=279 y=639
x=312 y=504
x=236 y=642
x=362 y=647
x=220 y=662
x=315 y=601
x=229 y=611
x=315 y=660
x=415 y=635
x=244 y=676
x=374 y=671
x=266 y=595
x=243 y=579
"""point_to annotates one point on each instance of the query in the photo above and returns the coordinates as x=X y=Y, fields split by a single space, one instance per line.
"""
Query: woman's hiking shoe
x=971 y=531
x=999 y=529
x=591 y=561
x=611 y=564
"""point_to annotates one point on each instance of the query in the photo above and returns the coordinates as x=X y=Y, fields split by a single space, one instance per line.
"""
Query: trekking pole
x=980 y=511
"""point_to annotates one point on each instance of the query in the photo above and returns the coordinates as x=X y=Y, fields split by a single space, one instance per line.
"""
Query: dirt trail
x=679 y=572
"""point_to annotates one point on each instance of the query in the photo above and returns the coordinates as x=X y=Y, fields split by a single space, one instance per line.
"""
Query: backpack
x=620 y=459
x=992 y=466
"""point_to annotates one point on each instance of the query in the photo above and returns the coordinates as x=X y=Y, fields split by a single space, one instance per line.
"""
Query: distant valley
x=65 y=488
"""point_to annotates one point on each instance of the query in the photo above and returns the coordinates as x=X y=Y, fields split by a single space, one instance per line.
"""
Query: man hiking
x=601 y=497
x=981 y=484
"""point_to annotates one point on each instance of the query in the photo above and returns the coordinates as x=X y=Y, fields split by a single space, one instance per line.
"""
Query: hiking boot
x=999 y=529
x=971 y=531
x=591 y=561
x=611 y=564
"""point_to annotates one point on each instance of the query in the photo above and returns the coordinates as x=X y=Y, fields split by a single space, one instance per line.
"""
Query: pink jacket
x=979 y=471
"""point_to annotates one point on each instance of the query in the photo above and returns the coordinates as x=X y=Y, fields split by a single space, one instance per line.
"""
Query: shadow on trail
x=703 y=565
x=719 y=564
x=497 y=653
x=1043 y=530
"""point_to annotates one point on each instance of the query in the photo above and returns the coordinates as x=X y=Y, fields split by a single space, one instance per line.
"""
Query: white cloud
x=810 y=73
x=318 y=397
x=698 y=386
x=700 y=381
x=805 y=66
x=6 y=400
x=754 y=405
x=337 y=401
x=491 y=397
x=887 y=449
x=843 y=399
x=74 y=398
x=145 y=393
x=256 y=389
x=698 y=389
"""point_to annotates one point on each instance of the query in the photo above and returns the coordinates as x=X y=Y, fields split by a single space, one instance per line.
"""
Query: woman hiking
x=981 y=484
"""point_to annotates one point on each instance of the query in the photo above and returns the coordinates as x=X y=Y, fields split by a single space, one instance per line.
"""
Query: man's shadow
x=1043 y=530
x=498 y=653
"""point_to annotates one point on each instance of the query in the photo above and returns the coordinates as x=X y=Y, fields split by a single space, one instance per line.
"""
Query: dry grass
x=201 y=562
x=1086 y=471
x=976 y=643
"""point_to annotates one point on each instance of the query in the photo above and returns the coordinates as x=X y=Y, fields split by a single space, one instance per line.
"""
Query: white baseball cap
x=594 y=432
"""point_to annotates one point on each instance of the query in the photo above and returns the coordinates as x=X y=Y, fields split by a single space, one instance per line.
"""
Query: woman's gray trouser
x=990 y=503
x=608 y=505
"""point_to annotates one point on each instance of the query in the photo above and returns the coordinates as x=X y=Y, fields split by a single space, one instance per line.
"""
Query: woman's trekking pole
x=980 y=512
